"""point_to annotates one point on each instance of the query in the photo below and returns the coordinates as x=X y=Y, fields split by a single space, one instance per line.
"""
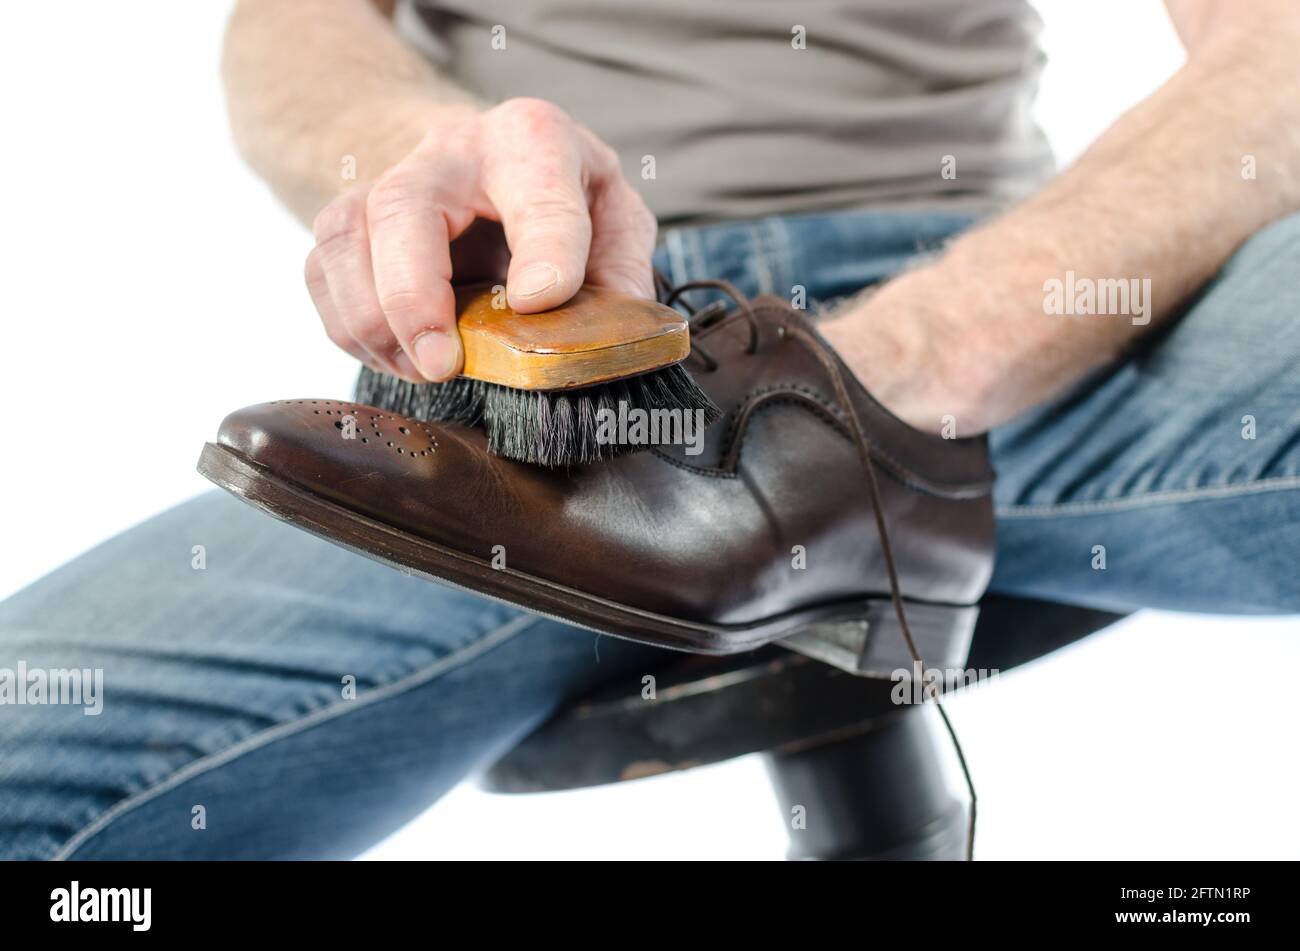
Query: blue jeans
x=290 y=699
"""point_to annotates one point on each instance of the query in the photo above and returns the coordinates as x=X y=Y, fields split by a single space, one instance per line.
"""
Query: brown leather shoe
x=769 y=533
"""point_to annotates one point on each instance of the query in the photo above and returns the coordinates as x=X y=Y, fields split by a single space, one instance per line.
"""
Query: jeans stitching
x=783 y=256
x=697 y=266
x=760 y=264
x=676 y=250
x=1150 y=498
x=257 y=741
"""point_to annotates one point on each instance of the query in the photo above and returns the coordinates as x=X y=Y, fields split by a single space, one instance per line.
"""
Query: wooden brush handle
x=597 y=336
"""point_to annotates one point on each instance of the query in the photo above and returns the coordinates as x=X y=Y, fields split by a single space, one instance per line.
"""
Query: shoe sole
x=942 y=632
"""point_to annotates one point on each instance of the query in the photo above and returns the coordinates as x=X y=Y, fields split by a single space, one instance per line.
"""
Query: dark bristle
x=552 y=428
x=457 y=401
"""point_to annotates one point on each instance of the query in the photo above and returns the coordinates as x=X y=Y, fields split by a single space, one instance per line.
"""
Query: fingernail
x=437 y=354
x=534 y=279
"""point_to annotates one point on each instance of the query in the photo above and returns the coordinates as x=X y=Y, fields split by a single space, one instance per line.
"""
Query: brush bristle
x=550 y=428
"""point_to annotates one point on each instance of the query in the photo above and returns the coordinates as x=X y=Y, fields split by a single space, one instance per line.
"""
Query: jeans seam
x=1278 y=483
x=779 y=234
x=676 y=249
x=762 y=260
x=699 y=266
x=205 y=764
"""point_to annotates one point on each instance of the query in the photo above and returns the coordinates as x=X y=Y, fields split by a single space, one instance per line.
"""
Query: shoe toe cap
x=365 y=458
x=276 y=434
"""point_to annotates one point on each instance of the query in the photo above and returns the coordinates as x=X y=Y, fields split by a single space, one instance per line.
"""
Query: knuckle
x=395 y=198
x=407 y=311
x=340 y=338
x=534 y=113
x=446 y=137
x=636 y=203
x=401 y=304
x=631 y=268
x=647 y=228
x=558 y=210
x=625 y=220
x=341 y=219
x=639 y=214
x=371 y=331
x=607 y=160
x=312 y=271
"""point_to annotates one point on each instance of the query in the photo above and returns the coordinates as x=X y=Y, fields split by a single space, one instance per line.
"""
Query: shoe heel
x=872 y=645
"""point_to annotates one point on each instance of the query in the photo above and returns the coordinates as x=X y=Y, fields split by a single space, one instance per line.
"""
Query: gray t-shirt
x=743 y=108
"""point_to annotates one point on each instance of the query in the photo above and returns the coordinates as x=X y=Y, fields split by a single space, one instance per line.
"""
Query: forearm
x=1164 y=195
x=323 y=93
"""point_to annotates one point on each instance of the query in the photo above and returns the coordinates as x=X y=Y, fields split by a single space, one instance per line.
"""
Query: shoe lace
x=711 y=316
x=716 y=314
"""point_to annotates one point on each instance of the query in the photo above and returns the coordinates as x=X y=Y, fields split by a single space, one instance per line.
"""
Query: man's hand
x=381 y=271
x=550 y=203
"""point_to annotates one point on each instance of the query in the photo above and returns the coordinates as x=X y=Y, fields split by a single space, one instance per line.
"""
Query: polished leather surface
x=703 y=538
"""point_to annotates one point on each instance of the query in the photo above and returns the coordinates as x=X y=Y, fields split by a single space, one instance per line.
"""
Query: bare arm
x=1164 y=194
x=311 y=82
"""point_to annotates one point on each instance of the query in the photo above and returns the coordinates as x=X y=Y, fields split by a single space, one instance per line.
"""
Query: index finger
x=410 y=236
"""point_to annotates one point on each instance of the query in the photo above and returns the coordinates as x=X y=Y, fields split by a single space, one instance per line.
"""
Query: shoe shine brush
x=537 y=383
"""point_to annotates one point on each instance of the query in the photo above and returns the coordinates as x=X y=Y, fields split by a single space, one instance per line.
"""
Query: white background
x=150 y=285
